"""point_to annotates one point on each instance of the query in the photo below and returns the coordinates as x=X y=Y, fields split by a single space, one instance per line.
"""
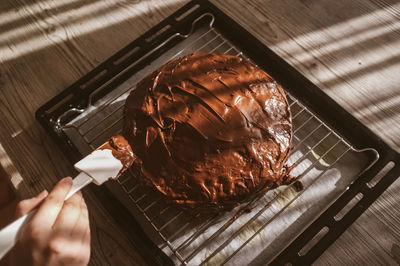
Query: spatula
x=107 y=162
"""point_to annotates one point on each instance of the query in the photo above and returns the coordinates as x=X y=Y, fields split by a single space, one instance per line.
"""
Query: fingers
x=68 y=216
x=27 y=205
x=85 y=248
x=82 y=232
x=61 y=241
x=71 y=234
x=59 y=233
x=82 y=228
x=52 y=205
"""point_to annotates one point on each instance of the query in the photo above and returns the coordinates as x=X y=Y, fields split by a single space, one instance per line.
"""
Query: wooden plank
x=348 y=48
x=8 y=198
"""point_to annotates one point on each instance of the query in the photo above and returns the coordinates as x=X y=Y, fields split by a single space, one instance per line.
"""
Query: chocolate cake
x=209 y=130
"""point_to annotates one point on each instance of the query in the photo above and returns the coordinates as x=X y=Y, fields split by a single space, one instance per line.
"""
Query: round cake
x=209 y=130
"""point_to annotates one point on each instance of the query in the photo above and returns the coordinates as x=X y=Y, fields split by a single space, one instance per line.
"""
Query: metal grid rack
x=317 y=151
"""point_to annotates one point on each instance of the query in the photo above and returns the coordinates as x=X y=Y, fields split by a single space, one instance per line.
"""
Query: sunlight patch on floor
x=81 y=26
x=7 y=164
x=361 y=27
x=35 y=8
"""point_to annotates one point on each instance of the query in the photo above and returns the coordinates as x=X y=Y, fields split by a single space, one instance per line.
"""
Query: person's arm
x=59 y=232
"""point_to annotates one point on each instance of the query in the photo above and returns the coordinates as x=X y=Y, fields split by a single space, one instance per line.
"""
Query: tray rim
x=341 y=121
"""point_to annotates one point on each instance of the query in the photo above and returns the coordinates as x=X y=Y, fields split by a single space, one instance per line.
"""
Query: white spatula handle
x=9 y=234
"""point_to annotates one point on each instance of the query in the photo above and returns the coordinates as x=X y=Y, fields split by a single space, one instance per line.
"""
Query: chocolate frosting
x=121 y=150
x=209 y=129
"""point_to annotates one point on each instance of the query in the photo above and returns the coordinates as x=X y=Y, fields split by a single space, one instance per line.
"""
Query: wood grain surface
x=350 y=49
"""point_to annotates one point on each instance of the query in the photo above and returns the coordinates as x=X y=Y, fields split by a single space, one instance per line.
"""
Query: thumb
x=25 y=206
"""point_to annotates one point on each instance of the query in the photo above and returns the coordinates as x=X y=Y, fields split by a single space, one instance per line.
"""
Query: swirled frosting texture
x=209 y=129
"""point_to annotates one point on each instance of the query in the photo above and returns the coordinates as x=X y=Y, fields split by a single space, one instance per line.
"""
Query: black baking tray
x=78 y=94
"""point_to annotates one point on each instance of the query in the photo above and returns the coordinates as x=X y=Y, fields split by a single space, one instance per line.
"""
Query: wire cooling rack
x=255 y=232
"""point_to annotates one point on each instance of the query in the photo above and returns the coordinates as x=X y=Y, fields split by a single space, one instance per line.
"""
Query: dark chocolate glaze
x=209 y=129
x=121 y=150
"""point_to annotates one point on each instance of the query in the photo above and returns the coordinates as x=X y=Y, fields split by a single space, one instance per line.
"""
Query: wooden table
x=350 y=49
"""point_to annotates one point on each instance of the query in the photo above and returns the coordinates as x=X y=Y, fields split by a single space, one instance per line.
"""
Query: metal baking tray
x=343 y=166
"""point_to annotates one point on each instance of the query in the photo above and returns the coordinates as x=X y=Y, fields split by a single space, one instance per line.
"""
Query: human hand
x=58 y=233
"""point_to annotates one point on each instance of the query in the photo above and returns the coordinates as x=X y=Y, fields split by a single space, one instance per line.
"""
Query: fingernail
x=67 y=180
x=43 y=194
